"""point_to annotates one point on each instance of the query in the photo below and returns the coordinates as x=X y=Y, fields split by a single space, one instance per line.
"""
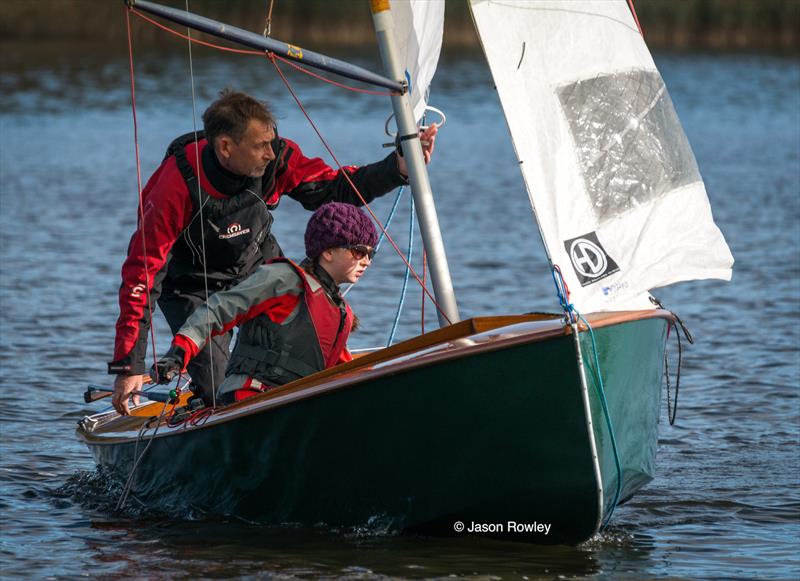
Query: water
x=726 y=500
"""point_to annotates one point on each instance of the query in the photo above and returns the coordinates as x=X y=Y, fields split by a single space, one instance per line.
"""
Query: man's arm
x=167 y=208
x=312 y=182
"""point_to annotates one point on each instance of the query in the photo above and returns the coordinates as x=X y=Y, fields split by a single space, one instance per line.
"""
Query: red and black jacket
x=166 y=250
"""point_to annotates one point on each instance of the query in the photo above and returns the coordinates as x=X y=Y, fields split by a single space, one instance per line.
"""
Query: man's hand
x=123 y=386
x=428 y=137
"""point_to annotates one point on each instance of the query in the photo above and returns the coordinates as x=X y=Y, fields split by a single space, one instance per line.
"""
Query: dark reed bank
x=772 y=25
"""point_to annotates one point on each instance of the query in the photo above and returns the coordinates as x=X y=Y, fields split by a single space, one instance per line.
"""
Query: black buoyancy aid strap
x=201 y=198
x=178 y=149
x=278 y=361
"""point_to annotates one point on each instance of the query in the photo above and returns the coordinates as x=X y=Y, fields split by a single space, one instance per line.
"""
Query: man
x=180 y=255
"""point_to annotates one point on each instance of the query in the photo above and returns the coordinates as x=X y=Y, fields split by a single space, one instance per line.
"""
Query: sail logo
x=233 y=231
x=589 y=259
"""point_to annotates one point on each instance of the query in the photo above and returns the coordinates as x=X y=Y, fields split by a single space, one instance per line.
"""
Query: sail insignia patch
x=589 y=259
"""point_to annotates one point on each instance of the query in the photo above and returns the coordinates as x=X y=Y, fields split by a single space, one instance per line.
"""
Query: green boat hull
x=496 y=437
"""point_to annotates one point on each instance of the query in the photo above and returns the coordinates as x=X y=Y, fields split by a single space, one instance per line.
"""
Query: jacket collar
x=224 y=181
x=327 y=282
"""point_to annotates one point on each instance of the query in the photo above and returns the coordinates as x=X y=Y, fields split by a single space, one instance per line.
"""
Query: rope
x=406 y=276
x=635 y=18
x=679 y=326
x=382 y=234
x=200 y=212
x=257 y=53
x=355 y=188
x=268 y=24
x=572 y=316
x=601 y=394
x=331 y=81
x=422 y=306
x=672 y=411
x=139 y=187
x=194 y=40
x=408 y=257
x=562 y=292
x=137 y=458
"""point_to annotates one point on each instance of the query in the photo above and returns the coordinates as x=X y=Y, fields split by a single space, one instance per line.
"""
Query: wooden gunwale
x=442 y=343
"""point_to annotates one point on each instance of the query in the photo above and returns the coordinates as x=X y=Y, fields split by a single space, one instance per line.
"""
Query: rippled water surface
x=726 y=499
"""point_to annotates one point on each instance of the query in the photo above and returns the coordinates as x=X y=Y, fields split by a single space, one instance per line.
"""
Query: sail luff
x=531 y=196
x=417 y=171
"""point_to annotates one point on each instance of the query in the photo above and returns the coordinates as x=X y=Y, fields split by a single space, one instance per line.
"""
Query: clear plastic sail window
x=630 y=145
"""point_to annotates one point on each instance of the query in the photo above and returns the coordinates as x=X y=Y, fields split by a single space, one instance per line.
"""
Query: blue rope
x=408 y=256
x=573 y=316
x=561 y=293
x=405 y=279
x=601 y=394
x=389 y=219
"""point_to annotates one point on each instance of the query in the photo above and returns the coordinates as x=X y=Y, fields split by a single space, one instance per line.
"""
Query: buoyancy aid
x=234 y=235
x=314 y=340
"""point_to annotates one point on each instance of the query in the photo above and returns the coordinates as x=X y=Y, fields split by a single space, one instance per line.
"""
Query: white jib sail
x=610 y=174
x=418 y=26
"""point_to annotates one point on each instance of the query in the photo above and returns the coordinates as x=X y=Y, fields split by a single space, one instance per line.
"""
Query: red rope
x=257 y=53
x=139 y=188
x=355 y=189
x=273 y=58
x=635 y=18
x=422 y=309
x=557 y=268
x=195 y=40
x=332 y=82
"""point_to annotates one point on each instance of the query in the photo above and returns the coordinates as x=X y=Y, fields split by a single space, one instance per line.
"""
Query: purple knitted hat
x=335 y=225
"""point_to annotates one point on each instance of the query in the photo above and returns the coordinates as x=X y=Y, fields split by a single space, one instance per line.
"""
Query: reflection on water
x=725 y=503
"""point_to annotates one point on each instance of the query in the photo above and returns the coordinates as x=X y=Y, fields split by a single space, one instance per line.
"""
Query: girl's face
x=346 y=264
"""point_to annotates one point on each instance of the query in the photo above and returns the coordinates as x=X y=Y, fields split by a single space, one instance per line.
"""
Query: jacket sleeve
x=273 y=290
x=166 y=210
x=312 y=182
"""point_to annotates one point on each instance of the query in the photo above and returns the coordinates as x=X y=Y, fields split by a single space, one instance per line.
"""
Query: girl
x=292 y=319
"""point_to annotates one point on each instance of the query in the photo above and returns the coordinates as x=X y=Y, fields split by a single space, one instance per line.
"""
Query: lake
x=726 y=499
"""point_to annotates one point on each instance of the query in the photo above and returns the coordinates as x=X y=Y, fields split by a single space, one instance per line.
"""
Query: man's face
x=252 y=154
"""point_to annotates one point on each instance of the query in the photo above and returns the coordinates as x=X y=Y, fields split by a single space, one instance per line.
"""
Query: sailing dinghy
x=517 y=421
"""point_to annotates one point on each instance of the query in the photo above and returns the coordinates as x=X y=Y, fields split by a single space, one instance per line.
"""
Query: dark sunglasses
x=359 y=251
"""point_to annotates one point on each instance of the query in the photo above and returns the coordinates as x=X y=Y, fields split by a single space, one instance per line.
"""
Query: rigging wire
x=382 y=234
x=259 y=54
x=381 y=238
x=331 y=81
x=139 y=185
x=200 y=212
x=635 y=18
x=572 y=316
x=601 y=395
x=137 y=458
x=355 y=188
x=268 y=23
x=273 y=58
